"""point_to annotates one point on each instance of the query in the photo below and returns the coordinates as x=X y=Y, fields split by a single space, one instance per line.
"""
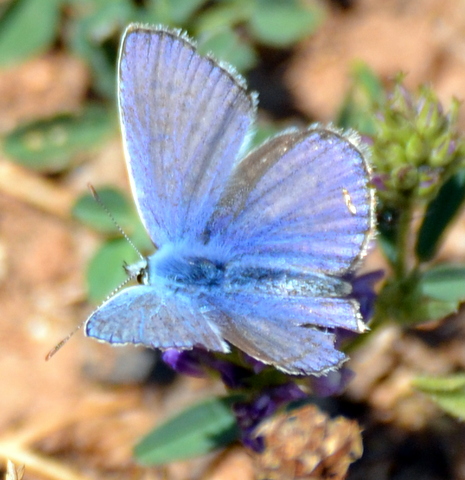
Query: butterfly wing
x=301 y=203
x=293 y=333
x=294 y=350
x=300 y=200
x=184 y=121
x=138 y=315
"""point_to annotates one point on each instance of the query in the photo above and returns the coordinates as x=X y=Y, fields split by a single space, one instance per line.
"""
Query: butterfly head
x=138 y=271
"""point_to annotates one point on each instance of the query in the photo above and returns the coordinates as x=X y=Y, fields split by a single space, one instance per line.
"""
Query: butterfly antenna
x=120 y=286
x=133 y=276
x=112 y=218
x=61 y=343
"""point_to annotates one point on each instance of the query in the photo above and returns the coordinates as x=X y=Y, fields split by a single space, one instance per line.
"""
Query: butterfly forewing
x=287 y=204
x=184 y=120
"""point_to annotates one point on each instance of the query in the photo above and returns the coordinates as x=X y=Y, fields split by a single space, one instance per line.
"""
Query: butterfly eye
x=143 y=277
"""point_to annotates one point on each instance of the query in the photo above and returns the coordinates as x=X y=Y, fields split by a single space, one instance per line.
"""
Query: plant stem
x=403 y=242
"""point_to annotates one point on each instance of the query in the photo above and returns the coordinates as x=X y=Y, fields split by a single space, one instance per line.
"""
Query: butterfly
x=253 y=250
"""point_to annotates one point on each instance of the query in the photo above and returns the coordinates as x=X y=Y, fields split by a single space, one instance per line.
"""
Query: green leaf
x=444 y=282
x=438 y=293
x=52 y=145
x=406 y=302
x=141 y=238
x=439 y=214
x=89 y=212
x=281 y=23
x=432 y=310
x=223 y=15
x=453 y=403
x=105 y=271
x=389 y=248
x=196 y=431
x=357 y=109
x=431 y=384
x=447 y=392
x=227 y=46
x=172 y=12
x=368 y=81
x=27 y=28
x=95 y=37
x=4 y=7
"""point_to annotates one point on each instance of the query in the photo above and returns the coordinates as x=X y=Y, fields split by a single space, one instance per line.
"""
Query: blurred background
x=78 y=415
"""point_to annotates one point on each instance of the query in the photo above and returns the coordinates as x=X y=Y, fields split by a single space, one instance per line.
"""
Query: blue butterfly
x=252 y=251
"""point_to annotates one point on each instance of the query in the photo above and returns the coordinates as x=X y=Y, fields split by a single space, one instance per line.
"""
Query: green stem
x=401 y=266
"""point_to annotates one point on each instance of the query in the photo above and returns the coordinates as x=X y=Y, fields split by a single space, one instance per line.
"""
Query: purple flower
x=187 y=362
x=263 y=402
x=367 y=139
x=256 y=365
x=380 y=181
x=334 y=383
x=250 y=413
x=233 y=376
x=363 y=292
x=197 y=362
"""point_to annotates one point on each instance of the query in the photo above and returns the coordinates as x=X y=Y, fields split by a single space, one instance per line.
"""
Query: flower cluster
x=416 y=145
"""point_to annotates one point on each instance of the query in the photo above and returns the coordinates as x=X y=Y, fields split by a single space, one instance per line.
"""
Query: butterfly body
x=190 y=272
x=253 y=251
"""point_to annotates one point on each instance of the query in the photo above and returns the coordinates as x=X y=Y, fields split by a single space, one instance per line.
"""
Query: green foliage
x=53 y=145
x=448 y=392
x=105 y=271
x=21 y=34
x=227 y=45
x=196 y=431
x=420 y=297
x=94 y=36
x=171 y=12
x=418 y=159
x=89 y=212
x=280 y=24
x=439 y=214
x=357 y=109
x=274 y=23
x=223 y=15
x=444 y=282
x=262 y=133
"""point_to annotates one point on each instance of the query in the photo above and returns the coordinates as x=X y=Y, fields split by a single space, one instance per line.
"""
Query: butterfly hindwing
x=139 y=315
x=289 y=323
x=295 y=350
